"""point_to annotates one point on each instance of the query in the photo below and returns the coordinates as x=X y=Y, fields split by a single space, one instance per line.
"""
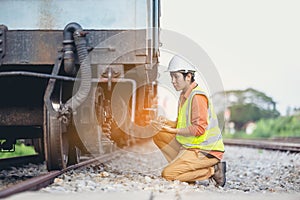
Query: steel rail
x=265 y=144
x=44 y=180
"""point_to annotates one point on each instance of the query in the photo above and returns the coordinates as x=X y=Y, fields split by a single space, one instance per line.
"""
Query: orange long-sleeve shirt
x=199 y=115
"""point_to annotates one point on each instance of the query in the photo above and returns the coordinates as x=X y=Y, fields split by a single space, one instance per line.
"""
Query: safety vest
x=212 y=137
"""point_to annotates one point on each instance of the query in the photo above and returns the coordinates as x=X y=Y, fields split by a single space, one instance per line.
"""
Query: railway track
x=291 y=145
x=44 y=180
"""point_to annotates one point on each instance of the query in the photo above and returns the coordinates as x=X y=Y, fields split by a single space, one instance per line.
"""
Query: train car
x=75 y=75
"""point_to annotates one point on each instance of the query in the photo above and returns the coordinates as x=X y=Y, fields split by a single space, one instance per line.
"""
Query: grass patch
x=20 y=150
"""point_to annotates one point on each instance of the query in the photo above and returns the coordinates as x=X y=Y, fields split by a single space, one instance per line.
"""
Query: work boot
x=219 y=176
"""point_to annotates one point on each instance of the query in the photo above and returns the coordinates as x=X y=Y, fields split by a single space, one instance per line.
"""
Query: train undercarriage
x=76 y=92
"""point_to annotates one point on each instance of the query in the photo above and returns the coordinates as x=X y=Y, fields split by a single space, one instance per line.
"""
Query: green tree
x=287 y=126
x=250 y=105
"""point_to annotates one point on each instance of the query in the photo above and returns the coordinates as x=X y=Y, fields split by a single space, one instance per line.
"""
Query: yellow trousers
x=184 y=165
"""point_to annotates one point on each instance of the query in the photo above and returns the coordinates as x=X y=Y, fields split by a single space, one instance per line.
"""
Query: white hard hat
x=177 y=63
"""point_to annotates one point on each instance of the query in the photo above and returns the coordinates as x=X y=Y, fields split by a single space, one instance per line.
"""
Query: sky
x=252 y=43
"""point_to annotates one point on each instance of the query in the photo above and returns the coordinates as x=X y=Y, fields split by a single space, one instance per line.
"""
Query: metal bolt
x=1 y=42
x=1 y=32
x=1 y=50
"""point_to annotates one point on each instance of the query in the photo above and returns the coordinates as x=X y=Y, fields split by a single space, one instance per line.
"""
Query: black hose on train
x=68 y=42
x=85 y=67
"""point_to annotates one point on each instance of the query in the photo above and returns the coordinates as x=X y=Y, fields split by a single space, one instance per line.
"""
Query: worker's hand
x=156 y=124
x=169 y=129
x=159 y=122
x=163 y=120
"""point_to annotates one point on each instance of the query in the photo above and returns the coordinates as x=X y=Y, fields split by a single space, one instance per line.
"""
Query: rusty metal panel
x=32 y=47
x=126 y=47
x=14 y=116
x=41 y=47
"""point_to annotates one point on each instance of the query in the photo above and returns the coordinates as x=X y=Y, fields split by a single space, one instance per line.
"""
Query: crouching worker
x=193 y=145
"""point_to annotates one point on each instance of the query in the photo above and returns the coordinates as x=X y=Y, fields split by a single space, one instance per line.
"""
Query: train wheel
x=57 y=144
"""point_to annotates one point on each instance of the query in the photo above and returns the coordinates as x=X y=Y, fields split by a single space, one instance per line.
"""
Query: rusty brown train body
x=73 y=73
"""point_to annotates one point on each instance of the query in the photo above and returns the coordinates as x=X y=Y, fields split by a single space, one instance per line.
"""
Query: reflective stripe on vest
x=212 y=137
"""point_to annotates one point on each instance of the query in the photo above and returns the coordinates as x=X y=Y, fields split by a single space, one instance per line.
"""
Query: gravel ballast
x=248 y=170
